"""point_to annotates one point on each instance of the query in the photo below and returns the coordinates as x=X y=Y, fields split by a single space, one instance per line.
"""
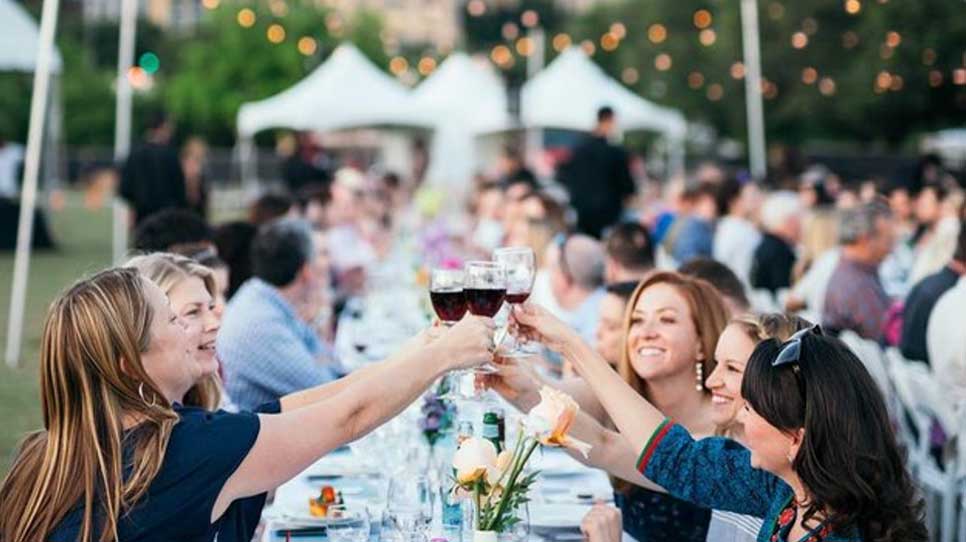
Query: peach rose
x=551 y=419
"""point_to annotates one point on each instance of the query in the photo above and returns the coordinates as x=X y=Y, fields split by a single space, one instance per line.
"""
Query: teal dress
x=717 y=473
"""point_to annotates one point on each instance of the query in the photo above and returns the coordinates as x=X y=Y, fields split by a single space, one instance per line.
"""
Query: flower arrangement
x=496 y=482
x=438 y=415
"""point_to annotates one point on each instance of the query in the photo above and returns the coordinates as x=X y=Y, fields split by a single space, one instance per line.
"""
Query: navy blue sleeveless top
x=204 y=451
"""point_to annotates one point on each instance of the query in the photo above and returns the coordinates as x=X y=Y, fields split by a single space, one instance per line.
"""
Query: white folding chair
x=872 y=356
x=922 y=401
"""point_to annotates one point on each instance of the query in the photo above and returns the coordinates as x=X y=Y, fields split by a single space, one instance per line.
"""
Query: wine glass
x=409 y=507
x=520 y=270
x=446 y=293
x=485 y=291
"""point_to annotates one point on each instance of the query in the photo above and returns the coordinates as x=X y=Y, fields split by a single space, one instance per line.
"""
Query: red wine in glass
x=450 y=305
x=485 y=301
x=517 y=298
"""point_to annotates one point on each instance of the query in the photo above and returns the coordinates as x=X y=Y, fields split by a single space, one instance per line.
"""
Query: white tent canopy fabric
x=469 y=88
x=467 y=99
x=20 y=40
x=346 y=91
x=568 y=93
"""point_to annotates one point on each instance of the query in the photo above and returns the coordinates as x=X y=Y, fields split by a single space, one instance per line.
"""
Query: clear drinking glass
x=347 y=524
x=520 y=265
x=409 y=507
x=446 y=293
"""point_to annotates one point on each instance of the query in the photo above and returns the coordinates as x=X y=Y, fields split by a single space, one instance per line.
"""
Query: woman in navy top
x=120 y=461
x=822 y=463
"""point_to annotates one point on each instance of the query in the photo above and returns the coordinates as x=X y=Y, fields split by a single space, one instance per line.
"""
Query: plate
x=557 y=515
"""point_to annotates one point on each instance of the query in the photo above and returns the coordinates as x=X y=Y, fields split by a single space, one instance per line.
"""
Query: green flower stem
x=476 y=497
x=511 y=485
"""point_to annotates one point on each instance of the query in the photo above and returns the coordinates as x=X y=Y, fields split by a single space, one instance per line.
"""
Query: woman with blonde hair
x=671 y=327
x=119 y=459
x=191 y=291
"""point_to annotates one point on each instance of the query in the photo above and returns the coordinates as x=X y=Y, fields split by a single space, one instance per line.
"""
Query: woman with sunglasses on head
x=120 y=459
x=821 y=462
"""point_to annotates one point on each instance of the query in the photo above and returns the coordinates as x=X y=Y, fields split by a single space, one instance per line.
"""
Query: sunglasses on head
x=791 y=354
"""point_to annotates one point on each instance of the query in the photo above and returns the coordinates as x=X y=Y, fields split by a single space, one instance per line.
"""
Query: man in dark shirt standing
x=598 y=178
x=152 y=178
x=774 y=258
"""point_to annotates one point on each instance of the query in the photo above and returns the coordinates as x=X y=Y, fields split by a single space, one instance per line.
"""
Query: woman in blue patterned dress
x=821 y=463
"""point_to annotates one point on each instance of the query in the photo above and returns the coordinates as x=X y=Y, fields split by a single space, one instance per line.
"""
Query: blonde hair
x=167 y=271
x=91 y=379
x=820 y=233
x=708 y=314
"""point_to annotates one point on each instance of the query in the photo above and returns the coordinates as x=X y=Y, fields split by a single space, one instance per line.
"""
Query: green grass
x=84 y=246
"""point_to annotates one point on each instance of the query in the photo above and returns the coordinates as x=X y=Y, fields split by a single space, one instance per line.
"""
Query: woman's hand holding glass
x=467 y=344
x=538 y=324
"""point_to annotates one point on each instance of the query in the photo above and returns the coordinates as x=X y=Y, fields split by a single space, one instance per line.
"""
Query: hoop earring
x=154 y=400
x=698 y=377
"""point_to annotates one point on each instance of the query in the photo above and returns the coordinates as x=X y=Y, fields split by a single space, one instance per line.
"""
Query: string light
x=935 y=78
x=737 y=70
x=853 y=7
x=307 y=46
x=561 y=42
x=799 y=40
x=809 y=75
x=501 y=55
x=702 y=18
x=715 y=92
x=630 y=76
x=510 y=31
x=588 y=47
x=893 y=39
x=278 y=8
x=771 y=91
x=525 y=46
x=398 y=65
x=246 y=18
x=707 y=37
x=657 y=33
x=850 y=39
x=897 y=83
x=827 y=86
x=530 y=18
x=695 y=80
x=210 y=4
x=883 y=80
x=618 y=30
x=275 y=33
x=426 y=65
x=776 y=11
x=662 y=62
x=476 y=8
x=609 y=42
x=959 y=76
x=928 y=57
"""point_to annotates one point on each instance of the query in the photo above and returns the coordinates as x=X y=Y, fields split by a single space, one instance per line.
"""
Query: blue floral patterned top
x=716 y=473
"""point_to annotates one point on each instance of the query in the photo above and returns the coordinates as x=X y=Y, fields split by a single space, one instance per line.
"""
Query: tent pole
x=753 y=103
x=28 y=197
x=122 y=121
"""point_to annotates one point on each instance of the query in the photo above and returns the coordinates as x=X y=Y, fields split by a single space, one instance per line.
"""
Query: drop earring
x=698 y=377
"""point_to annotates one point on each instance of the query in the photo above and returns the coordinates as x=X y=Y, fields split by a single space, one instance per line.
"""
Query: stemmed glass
x=485 y=291
x=347 y=524
x=520 y=267
x=409 y=508
x=446 y=293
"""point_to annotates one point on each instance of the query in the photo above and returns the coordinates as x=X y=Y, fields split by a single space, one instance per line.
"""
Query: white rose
x=475 y=459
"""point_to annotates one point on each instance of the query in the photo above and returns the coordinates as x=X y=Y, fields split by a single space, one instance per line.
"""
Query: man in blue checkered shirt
x=268 y=344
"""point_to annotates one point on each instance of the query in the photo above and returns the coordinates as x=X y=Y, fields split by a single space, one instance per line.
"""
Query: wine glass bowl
x=447 y=295
x=520 y=265
x=485 y=287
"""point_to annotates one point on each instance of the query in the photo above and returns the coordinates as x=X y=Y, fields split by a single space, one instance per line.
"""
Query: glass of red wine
x=446 y=293
x=520 y=265
x=485 y=290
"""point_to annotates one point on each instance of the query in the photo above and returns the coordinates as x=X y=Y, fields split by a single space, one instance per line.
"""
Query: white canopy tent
x=568 y=93
x=467 y=99
x=20 y=40
x=346 y=91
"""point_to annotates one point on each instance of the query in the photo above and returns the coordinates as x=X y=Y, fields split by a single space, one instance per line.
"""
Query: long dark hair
x=849 y=461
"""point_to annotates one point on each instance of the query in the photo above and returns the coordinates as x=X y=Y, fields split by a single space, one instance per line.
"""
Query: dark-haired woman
x=821 y=463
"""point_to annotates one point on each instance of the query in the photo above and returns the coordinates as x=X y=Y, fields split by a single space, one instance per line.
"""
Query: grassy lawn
x=84 y=246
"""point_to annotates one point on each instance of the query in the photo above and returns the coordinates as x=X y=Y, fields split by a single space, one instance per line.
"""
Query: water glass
x=347 y=524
